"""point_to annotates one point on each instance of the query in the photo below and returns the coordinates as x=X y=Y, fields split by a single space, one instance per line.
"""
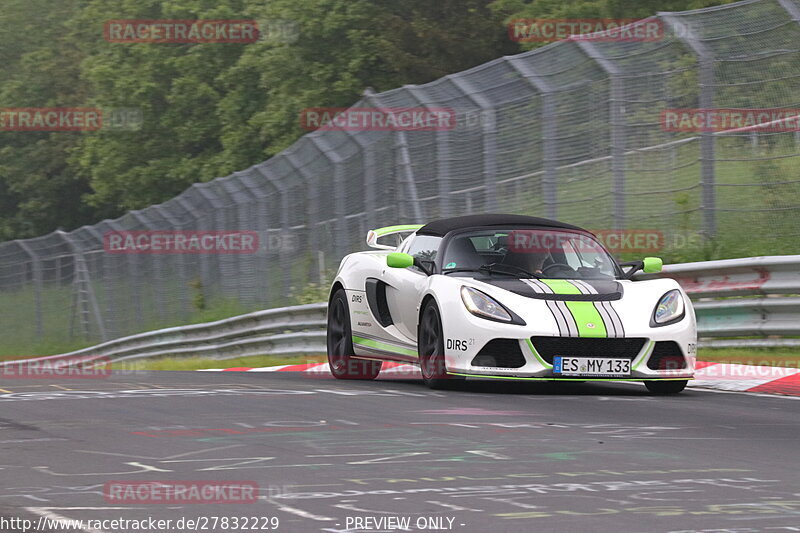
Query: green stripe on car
x=369 y=343
x=585 y=314
x=588 y=319
x=561 y=286
x=536 y=354
x=394 y=229
x=645 y=355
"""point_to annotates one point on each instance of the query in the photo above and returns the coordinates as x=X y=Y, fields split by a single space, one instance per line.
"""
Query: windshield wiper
x=495 y=268
x=512 y=270
x=450 y=270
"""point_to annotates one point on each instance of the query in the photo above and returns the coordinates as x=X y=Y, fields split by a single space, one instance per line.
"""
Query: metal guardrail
x=732 y=298
x=296 y=331
x=748 y=297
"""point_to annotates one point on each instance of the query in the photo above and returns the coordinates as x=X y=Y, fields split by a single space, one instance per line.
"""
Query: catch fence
x=573 y=131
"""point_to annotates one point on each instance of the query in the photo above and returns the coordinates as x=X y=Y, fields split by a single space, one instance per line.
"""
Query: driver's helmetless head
x=533 y=261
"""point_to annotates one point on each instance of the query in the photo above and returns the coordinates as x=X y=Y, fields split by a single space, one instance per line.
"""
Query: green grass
x=199 y=363
x=19 y=339
x=789 y=357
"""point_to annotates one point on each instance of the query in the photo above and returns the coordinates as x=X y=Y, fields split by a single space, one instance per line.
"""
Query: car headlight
x=483 y=305
x=670 y=308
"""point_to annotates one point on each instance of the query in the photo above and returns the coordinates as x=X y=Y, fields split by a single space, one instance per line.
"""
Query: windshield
x=540 y=253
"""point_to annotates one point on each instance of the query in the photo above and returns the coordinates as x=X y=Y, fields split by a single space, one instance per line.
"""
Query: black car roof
x=445 y=225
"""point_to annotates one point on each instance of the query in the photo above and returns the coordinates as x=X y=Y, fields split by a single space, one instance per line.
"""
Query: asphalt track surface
x=494 y=457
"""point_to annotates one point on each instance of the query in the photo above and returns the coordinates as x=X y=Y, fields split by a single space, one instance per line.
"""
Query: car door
x=405 y=286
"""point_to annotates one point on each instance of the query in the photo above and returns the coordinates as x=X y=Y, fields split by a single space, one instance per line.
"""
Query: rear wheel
x=666 y=387
x=341 y=358
x=430 y=344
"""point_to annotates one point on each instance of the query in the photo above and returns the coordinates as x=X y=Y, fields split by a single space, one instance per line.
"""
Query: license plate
x=591 y=366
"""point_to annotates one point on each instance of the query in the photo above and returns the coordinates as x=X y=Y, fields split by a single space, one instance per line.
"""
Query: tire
x=666 y=387
x=341 y=355
x=430 y=345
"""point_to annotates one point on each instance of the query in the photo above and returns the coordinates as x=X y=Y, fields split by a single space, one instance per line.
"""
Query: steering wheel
x=560 y=266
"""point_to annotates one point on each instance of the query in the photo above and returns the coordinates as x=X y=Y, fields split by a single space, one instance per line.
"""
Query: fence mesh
x=570 y=131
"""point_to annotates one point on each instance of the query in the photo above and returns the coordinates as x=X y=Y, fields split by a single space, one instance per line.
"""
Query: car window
x=424 y=247
x=554 y=253
x=484 y=243
x=571 y=255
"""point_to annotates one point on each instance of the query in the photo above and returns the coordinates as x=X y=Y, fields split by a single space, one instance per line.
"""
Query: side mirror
x=399 y=260
x=652 y=265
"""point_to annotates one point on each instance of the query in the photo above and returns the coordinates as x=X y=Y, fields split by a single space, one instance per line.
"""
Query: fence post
x=489 y=137
x=792 y=8
x=181 y=258
x=110 y=314
x=155 y=263
x=279 y=186
x=549 y=132
x=312 y=209
x=37 y=290
x=339 y=190
x=369 y=181
x=370 y=184
x=616 y=115
x=213 y=261
x=82 y=285
x=444 y=176
x=410 y=199
x=705 y=77
x=134 y=277
x=794 y=11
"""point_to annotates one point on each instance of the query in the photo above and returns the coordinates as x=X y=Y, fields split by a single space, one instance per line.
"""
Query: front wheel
x=341 y=358
x=666 y=387
x=430 y=344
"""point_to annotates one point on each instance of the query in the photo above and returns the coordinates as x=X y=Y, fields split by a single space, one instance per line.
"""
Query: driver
x=533 y=262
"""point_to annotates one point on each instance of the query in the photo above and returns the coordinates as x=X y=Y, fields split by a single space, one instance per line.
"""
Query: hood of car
x=560 y=289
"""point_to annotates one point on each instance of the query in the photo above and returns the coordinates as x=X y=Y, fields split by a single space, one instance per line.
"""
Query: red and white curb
x=389 y=369
x=715 y=376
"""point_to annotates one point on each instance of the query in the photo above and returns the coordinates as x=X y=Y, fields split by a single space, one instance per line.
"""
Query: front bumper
x=538 y=338
x=664 y=353
x=654 y=360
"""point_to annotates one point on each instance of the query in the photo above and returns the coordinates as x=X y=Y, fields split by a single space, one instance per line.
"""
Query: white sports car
x=507 y=297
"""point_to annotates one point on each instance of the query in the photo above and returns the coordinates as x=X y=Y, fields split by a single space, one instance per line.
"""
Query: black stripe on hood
x=607 y=290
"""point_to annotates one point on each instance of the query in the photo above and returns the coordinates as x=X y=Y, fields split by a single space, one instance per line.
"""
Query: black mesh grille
x=549 y=347
x=500 y=353
x=666 y=355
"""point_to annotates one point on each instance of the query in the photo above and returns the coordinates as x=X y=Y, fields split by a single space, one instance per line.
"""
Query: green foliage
x=208 y=109
x=572 y=9
x=310 y=293
x=198 y=296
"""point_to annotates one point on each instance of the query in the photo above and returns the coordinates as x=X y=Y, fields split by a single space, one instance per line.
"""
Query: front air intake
x=612 y=348
x=667 y=355
x=500 y=353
